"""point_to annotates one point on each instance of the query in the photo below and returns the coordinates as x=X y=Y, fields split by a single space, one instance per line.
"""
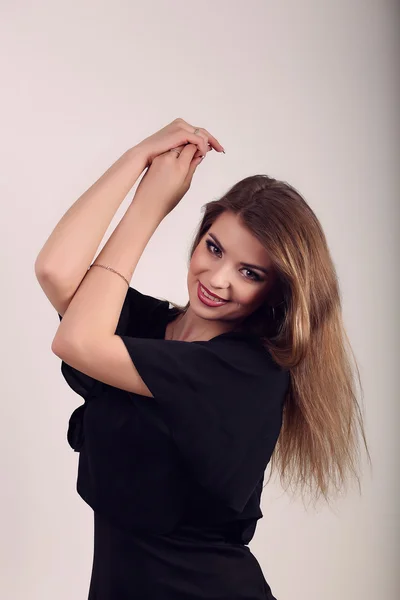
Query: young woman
x=185 y=406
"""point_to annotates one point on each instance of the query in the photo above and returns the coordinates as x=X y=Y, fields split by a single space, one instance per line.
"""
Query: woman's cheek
x=199 y=263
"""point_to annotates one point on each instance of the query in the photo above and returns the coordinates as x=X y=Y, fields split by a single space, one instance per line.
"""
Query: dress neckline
x=172 y=312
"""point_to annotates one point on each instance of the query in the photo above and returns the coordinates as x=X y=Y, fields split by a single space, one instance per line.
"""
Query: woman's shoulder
x=135 y=298
x=248 y=349
x=141 y=314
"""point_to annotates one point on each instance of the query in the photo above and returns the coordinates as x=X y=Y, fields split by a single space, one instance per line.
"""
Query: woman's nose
x=219 y=281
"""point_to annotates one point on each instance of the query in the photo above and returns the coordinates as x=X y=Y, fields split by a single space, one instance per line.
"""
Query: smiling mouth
x=212 y=296
x=207 y=298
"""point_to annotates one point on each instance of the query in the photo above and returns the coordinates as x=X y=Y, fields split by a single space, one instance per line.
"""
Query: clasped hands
x=169 y=174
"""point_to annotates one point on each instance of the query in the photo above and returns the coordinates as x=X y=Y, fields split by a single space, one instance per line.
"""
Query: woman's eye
x=253 y=277
x=211 y=245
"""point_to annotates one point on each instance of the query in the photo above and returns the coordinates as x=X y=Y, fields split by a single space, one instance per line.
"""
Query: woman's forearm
x=94 y=311
x=71 y=247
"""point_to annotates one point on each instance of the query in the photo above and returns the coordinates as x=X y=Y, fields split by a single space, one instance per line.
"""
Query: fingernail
x=223 y=151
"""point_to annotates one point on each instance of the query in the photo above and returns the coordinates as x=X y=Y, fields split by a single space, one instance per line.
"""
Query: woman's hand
x=167 y=180
x=177 y=133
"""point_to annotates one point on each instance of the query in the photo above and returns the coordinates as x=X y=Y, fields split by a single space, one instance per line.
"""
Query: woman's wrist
x=138 y=155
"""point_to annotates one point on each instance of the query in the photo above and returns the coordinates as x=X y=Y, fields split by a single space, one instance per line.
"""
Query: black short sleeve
x=222 y=401
x=139 y=312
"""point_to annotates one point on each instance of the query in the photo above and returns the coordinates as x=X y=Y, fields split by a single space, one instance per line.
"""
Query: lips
x=212 y=294
x=203 y=297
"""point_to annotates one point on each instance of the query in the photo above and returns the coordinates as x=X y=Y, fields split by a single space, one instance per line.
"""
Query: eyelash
x=211 y=244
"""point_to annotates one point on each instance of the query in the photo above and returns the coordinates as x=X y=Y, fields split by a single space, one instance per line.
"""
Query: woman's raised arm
x=63 y=261
x=71 y=247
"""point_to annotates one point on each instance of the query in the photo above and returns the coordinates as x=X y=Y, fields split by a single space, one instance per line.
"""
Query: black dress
x=175 y=481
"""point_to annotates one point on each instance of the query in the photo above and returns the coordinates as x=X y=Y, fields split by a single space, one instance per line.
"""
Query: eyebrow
x=250 y=266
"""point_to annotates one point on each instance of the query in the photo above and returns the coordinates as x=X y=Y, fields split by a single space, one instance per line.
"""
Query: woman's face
x=221 y=263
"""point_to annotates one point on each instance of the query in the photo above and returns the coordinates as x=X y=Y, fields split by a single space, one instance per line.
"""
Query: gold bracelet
x=109 y=269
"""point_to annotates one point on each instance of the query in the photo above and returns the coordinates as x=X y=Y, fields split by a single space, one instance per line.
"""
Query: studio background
x=307 y=92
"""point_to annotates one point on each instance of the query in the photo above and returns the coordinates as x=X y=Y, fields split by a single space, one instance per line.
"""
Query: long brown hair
x=318 y=446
